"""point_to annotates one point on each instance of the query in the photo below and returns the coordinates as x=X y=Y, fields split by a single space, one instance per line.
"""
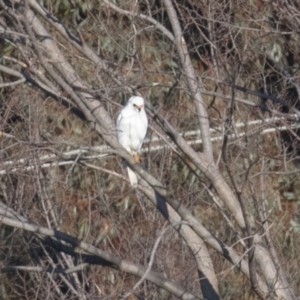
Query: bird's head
x=136 y=102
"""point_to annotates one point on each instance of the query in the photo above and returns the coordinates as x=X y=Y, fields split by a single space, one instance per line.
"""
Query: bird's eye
x=134 y=105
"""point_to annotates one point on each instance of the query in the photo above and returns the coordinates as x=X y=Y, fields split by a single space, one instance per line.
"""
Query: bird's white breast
x=131 y=128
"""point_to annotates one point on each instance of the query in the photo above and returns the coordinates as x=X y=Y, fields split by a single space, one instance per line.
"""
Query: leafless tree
x=215 y=213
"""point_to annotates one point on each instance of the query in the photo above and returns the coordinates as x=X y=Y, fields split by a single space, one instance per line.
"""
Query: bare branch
x=114 y=261
x=13 y=73
x=156 y=24
x=191 y=80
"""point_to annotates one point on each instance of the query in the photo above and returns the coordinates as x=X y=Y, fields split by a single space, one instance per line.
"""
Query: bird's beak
x=139 y=107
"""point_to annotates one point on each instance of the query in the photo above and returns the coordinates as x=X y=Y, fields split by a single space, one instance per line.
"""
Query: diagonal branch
x=192 y=80
x=13 y=73
x=110 y=259
x=157 y=25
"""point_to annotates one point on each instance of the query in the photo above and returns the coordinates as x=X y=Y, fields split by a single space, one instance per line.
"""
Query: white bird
x=132 y=124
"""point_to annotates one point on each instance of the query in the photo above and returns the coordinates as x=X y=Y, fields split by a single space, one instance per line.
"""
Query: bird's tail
x=132 y=177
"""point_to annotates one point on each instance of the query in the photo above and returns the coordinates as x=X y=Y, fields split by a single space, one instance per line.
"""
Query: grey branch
x=13 y=73
x=116 y=262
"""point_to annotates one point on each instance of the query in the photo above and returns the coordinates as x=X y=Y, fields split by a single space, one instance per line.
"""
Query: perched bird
x=132 y=124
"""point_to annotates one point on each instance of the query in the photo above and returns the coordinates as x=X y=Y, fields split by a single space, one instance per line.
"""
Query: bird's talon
x=137 y=158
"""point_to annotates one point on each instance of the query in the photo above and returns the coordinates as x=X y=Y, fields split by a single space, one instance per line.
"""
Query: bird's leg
x=136 y=157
